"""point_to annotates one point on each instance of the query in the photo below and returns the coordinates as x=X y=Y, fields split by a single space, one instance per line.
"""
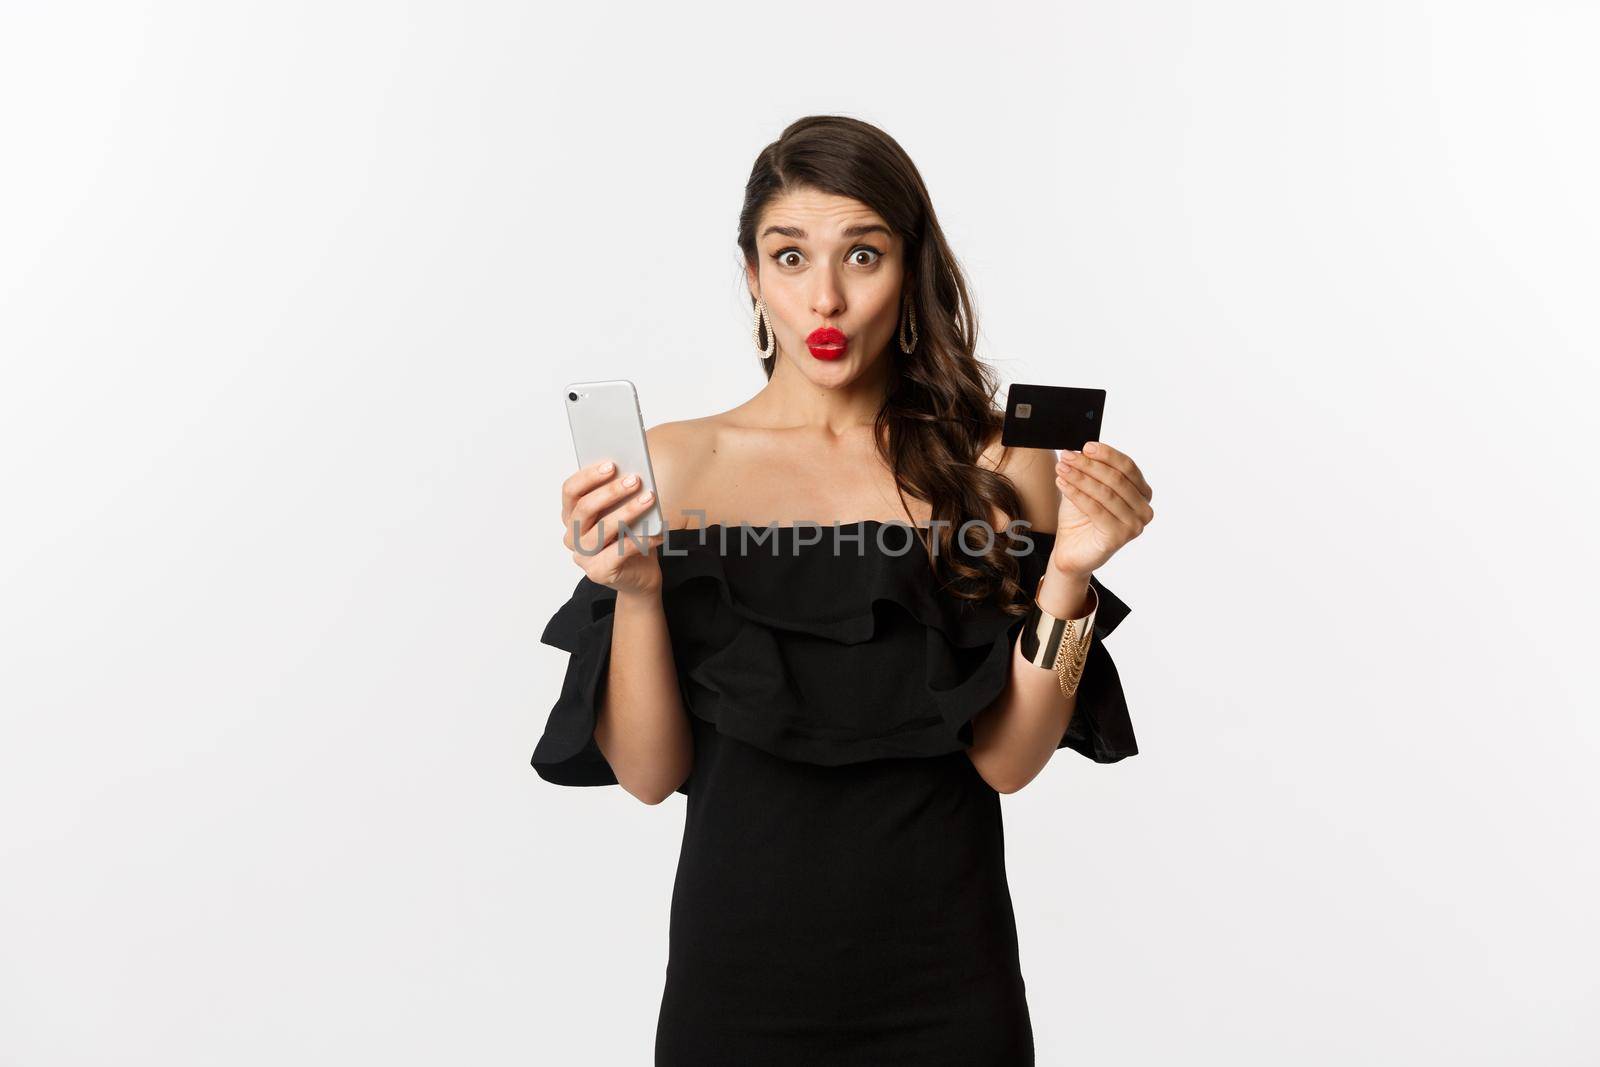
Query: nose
x=827 y=297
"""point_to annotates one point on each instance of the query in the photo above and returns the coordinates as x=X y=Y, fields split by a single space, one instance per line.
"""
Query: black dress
x=841 y=895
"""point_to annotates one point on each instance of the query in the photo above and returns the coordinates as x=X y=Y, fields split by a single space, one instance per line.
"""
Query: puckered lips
x=825 y=342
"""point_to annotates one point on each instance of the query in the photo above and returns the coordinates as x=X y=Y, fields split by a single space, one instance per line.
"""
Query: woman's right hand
x=587 y=496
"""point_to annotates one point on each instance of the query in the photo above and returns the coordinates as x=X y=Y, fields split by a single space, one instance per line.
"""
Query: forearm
x=1015 y=736
x=642 y=728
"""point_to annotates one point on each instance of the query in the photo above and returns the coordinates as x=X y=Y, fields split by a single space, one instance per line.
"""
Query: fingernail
x=631 y=480
x=1089 y=448
x=644 y=497
x=606 y=467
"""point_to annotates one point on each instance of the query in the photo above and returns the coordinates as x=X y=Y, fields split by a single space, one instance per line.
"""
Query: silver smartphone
x=607 y=424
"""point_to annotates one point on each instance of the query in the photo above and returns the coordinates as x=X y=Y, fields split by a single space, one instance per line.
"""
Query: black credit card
x=1052 y=416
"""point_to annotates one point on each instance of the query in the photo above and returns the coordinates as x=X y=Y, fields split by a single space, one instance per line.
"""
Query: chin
x=833 y=373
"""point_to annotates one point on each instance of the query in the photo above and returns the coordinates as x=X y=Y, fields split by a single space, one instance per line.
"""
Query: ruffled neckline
x=810 y=595
x=822 y=656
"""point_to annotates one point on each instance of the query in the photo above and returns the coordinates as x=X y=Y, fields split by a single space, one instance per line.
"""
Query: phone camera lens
x=572 y=396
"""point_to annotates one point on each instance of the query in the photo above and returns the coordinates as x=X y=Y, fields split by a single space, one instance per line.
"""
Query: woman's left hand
x=1105 y=503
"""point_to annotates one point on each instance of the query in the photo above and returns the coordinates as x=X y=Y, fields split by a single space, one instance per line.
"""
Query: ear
x=752 y=279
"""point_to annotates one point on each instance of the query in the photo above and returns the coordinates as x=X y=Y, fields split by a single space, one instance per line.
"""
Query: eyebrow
x=849 y=231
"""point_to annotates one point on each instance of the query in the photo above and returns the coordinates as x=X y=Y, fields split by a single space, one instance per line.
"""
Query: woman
x=841 y=713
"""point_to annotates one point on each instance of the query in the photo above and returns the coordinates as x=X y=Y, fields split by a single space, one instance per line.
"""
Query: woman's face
x=828 y=261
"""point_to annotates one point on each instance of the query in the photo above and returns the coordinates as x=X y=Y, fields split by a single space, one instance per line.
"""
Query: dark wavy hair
x=939 y=410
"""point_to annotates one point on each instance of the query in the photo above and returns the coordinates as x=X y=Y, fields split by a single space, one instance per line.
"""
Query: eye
x=782 y=254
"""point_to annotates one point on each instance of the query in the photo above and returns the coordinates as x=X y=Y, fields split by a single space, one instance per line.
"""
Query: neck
x=790 y=399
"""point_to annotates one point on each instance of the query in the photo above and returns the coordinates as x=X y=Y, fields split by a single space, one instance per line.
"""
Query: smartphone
x=1052 y=416
x=607 y=424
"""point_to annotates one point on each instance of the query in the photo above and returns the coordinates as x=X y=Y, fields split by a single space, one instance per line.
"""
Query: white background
x=287 y=296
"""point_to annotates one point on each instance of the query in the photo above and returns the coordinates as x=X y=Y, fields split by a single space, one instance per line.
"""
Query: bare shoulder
x=1032 y=471
x=678 y=450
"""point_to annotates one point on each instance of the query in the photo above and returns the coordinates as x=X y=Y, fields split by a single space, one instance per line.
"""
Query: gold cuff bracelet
x=1056 y=644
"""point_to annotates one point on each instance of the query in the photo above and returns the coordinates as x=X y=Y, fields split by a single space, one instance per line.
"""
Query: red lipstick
x=825 y=342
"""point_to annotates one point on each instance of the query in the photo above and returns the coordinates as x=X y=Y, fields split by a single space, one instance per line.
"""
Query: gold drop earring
x=769 y=347
x=910 y=311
